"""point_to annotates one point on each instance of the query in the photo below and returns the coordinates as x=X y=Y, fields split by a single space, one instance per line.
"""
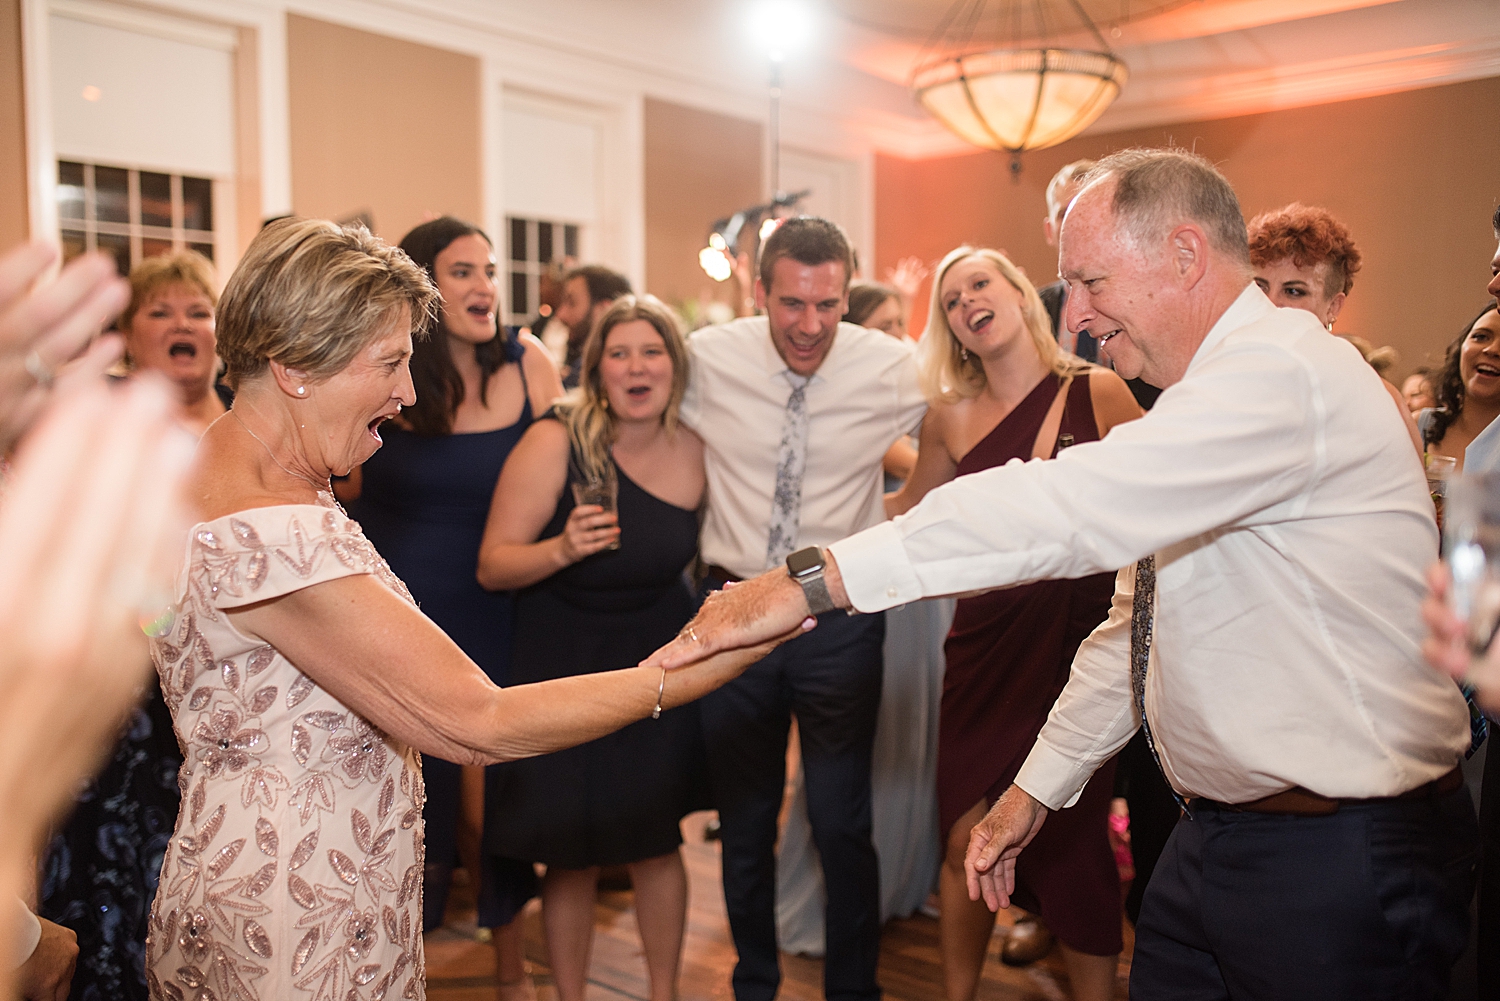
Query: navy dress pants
x=830 y=680
x=1370 y=902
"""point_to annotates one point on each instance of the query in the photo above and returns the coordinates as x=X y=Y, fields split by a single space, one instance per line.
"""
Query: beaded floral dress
x=295 y=869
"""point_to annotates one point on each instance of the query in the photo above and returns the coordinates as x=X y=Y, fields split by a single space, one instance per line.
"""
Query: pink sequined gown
x=295 y=870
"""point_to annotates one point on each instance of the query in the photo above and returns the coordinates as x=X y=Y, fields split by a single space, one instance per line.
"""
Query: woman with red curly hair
x=1304 y=258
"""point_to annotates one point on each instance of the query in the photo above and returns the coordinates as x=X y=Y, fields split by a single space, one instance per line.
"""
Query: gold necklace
x=324 y=487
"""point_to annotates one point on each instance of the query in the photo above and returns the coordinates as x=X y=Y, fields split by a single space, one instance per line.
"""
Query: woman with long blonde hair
x=600 y=589
x=1001 y=389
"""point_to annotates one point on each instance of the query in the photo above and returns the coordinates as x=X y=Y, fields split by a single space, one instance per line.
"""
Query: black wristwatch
x=805 y=566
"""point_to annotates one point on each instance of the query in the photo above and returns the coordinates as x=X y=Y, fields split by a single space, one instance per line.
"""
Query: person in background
x=999 y=389
x=795 y=410
x=90 y=504
x=423 y=499
x=1304 y=258
x=903 y=790
x=883 y=308
x=100 y=870
x=583 y=607
x=1418 y=391
x=587 y=292
x=1468 y=389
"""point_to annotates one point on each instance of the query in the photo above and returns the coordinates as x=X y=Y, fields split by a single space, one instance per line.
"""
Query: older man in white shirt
x=1268 y=637
x=796 y=411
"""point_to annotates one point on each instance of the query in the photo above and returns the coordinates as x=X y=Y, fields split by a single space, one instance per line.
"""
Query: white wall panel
x=161 y=102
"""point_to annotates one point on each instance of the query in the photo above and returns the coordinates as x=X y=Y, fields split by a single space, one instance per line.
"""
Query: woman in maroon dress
x=1002 y=390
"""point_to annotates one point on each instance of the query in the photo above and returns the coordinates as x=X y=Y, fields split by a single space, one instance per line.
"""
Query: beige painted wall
x=14 y=221
x=700 y=166
x=382 y=126
x=1413 y=176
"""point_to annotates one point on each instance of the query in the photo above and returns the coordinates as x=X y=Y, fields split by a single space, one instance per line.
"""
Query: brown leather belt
x=1300 y=802
x=715 y=572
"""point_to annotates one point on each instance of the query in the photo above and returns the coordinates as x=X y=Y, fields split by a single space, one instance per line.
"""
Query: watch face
x=805 y=561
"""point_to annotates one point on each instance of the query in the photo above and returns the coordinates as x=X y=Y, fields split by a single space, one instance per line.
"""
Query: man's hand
x=48 y=974
x=990 y=864
x=747 y=614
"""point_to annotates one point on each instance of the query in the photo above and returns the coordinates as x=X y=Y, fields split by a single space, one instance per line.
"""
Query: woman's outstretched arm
x=383 y=658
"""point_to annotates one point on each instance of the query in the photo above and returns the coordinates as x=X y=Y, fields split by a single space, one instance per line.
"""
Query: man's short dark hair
x=807 y=240
x=603 y=284
x=1156 y=189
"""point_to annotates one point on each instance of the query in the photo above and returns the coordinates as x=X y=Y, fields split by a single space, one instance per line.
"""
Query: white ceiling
x=1188 y=59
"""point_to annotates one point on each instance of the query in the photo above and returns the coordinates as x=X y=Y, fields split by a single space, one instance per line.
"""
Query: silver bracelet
x=660 y=689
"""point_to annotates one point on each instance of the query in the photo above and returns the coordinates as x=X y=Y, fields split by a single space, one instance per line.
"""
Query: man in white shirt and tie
x=796 y=411
x=1268 y=636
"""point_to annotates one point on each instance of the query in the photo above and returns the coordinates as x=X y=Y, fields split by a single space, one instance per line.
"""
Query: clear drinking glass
x=1471 y=549
x=603 y=492
x=1440 y=468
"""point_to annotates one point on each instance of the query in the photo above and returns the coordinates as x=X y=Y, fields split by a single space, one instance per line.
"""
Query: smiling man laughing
x=1274 y=526
x=796 y=411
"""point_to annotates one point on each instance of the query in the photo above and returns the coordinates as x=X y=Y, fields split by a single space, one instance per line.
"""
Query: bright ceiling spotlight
x=715 y=263
x=781 y=27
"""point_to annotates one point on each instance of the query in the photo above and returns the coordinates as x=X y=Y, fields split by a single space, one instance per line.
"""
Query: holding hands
x=765 y=609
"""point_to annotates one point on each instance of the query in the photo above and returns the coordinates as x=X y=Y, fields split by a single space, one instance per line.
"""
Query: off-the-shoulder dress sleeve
x=262 y=553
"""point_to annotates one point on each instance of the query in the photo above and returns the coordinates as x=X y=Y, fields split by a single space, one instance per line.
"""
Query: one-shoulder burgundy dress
x=1009 y=653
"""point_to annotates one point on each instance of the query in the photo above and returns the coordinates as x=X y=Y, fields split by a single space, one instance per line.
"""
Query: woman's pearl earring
x=963 y=353
x=301 y=390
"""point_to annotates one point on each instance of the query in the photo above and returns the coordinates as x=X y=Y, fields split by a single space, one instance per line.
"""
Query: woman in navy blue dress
x=423 y=499
x=598 y=591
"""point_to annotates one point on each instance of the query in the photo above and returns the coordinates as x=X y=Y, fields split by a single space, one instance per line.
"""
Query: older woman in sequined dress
x=302 y=680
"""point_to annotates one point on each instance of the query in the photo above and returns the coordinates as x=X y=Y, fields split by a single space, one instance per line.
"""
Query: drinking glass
x=1440 y=468
x=1471 y=549
x=602 y=491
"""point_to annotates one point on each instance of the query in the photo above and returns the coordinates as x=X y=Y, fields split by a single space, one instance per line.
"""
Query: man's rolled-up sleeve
x=1095 y=714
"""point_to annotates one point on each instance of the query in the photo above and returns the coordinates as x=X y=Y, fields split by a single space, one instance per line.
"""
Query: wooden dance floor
x=460 y=969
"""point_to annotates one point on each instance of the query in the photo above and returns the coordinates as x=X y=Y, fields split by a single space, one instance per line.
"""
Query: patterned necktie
x=1142 y=614
x=791 y=462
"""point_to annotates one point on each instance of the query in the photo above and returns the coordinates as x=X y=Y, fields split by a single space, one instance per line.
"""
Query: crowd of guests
x=414 y=530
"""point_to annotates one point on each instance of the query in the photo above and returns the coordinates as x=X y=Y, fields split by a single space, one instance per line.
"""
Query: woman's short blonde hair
x=185 y=267
x=311 y=295
x=591 y=424
x=946 y=375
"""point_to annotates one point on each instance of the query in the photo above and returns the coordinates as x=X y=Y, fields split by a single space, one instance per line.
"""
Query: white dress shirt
x=863 y=397
x=1291 y=525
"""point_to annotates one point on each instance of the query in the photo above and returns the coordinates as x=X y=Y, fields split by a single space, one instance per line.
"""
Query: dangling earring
x=963 y=352
x=301 y=390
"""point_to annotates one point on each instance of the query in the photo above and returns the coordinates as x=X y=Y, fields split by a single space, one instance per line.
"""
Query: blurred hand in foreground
x=1447 y=645
x=49 y=328
x=92 y=524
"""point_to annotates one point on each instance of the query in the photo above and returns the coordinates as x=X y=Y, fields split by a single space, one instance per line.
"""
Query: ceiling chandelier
x=1015 y=97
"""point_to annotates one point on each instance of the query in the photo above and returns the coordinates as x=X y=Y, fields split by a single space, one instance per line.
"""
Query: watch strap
x=815 y=589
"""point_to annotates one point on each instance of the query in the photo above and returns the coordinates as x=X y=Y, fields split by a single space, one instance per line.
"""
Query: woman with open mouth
x=999 y=389
x=422 y=500
x=599 y=590
x=1468 y=389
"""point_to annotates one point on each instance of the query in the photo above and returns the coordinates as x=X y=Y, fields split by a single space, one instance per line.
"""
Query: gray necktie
x=791 y=463
x=1142 y=615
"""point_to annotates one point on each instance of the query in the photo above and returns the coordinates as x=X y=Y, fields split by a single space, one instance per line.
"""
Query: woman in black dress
x=422 y=500
x=599 y=591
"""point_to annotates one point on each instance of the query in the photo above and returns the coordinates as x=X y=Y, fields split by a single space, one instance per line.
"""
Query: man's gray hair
x=1157 y=189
